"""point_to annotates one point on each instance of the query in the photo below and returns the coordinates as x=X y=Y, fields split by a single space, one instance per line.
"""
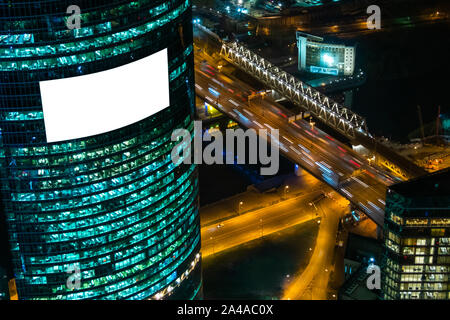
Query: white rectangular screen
x=87 y=105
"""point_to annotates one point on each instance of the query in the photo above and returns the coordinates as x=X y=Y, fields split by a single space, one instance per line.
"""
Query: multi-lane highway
x=314 y=150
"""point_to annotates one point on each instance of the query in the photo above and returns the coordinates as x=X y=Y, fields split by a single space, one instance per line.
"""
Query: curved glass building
x=92 y=204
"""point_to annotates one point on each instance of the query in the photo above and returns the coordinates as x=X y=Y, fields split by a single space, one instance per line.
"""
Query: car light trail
x=346 y=193
x=214 y=92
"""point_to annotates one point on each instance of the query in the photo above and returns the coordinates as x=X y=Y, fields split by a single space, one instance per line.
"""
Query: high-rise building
x=317 y=56
x=92 y=204
x=417 y=239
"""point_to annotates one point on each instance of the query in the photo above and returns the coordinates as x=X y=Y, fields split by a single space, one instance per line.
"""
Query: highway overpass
x=317 y=152
x=330 y=113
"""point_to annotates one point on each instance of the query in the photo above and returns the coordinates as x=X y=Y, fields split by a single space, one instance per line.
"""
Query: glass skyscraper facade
x=113 y=206
x=416 y=263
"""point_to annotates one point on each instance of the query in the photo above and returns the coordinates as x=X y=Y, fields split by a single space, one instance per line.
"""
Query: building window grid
x=69 y=237
x=169 y=245
x=35 y=128
x=79 y=58
x=61 y=260
x=92 y=15
x=423 y=280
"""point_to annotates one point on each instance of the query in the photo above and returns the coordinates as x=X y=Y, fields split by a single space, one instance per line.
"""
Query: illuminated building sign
x=332 y=71
x=96 y=103
x=316 y=56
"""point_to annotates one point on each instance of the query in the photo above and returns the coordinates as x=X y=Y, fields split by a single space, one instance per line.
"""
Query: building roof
x=361 y=248
x=436 y=184
x=355 y=288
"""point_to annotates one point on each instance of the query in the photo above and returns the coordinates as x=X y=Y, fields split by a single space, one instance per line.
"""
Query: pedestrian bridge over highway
x=329 y=112
x=320 y=106
x=351 y=175
x=312 y=149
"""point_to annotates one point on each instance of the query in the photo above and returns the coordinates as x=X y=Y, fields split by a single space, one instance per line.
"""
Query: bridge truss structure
x=319 y=105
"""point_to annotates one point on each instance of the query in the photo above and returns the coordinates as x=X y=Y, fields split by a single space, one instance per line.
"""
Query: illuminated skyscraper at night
x=87 y=181
x=417 y=239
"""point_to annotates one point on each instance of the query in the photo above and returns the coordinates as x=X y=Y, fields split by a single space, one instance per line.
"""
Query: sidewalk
x=252 y=199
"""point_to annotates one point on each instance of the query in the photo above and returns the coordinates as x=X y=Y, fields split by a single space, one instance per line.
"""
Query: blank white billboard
x=87 y=105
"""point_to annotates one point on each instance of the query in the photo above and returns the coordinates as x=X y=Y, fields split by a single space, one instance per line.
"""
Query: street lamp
x=240 y=206
x=313 y=204
x=262 y=98
x=262 y=230
x=311 y=123
x=212 y=238
x=286 y=189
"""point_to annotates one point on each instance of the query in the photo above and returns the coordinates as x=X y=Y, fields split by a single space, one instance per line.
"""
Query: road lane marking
x=287 y=139
x=374 y=206
x=326 y=164
x=295 y=150
x=367 y=209
x=217 y=81
x=257 y=123
x=306 y=150
x=347 y=193
x=282 y=147
x=307 y=161
x=233 y=102
x=360 y=182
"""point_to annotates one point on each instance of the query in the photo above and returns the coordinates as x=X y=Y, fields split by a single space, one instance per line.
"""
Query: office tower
x=92 y=204
x=417 y=239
